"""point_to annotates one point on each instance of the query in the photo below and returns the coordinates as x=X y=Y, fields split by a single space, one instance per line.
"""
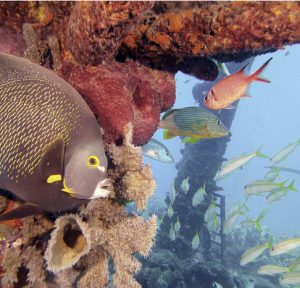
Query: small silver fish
x=170 y=211
x=284 y=246
x=262 y=186
x=177 y=225
x=185 y=186
x=199 y=196
x=284 y=152
x=284 y=169
x=156 y=150
x=290 y=278
x=253 y=253
x=256 y=222
x=172 y=233
x=172 y=194
x=238 y=162
x=271 y=270
x=196 y=241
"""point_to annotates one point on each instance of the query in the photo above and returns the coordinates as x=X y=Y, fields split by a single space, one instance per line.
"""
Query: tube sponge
x=69 y=241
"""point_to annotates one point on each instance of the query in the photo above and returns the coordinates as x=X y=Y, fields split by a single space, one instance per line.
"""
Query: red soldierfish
x=232 y=88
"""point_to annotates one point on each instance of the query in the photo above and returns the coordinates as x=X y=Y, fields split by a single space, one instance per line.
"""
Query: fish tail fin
x=167 y=134
x=258 y=225
x=291 y=267
x=24 y=210
x=260 y=154
x=269 y=243
x=254 y=76
x=292 y=187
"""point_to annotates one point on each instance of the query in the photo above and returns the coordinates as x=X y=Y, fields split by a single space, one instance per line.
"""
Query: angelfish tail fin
x=24 y=210
x=254 y=76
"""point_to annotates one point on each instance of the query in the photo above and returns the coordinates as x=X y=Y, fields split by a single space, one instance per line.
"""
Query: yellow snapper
x=233 y=216
x=271 y=270
x=285 y=246
x=253 y=253
x=290 y=278
x=256 y=222
x=196 y=241
x=194 y=122
x=172 y=233
x=199 y=196
x=237 y=162
x=262 y=186
x=185 y=185
x=177 y=225
x=232 y=88
x=51 y=150
x=284 y=152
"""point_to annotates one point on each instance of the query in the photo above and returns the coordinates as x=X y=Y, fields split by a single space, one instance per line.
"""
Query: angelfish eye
x=93 y=161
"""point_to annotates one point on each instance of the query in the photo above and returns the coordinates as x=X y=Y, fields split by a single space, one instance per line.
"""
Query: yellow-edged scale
x=51 y=150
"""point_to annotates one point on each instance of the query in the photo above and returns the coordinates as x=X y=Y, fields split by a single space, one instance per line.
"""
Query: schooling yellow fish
x=51 y=149
x=232 y=88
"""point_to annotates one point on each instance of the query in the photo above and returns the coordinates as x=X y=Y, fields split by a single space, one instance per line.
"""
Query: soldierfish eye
x=205 y=98
x=93 y=161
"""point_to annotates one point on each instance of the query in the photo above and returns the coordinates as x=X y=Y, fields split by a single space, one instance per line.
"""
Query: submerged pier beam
x=215 y=29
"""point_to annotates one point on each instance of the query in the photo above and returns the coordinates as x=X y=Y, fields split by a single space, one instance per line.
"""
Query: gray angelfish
x=51 y=150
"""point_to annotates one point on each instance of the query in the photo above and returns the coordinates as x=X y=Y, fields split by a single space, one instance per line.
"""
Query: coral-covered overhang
x=216 y=28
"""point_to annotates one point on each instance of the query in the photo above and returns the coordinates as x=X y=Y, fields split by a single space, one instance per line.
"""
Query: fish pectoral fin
x=24 y=210
x=167 y=134
x=245 y=96
x=229 y=107
x=192 y=140
x=51 y=165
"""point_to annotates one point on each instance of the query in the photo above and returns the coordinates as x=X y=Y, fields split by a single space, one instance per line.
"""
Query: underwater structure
x=122 y=57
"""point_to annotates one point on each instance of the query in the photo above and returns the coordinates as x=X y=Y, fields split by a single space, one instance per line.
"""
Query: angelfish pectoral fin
x=67 y=189
x=24 y=210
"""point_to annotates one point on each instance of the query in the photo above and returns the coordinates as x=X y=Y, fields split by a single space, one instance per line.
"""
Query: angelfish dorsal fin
x=53 y=160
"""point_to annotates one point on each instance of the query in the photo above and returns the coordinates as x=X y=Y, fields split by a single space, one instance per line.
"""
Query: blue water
x=270 y=117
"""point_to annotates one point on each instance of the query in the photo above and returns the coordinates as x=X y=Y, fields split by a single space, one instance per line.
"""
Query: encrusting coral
x=77 y=248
